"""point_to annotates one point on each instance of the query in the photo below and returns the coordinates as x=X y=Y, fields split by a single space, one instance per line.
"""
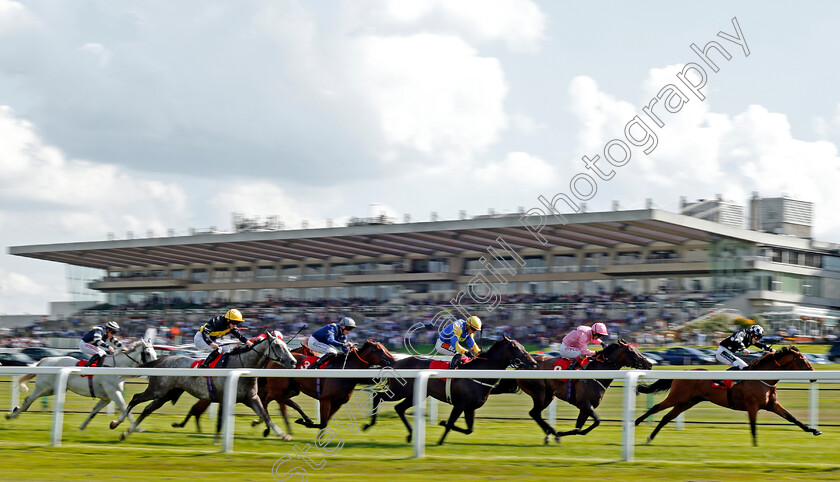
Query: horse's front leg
x=450 y=424
x=257 y=406
x=586 y=411
x=96 y=409
x=779 y=410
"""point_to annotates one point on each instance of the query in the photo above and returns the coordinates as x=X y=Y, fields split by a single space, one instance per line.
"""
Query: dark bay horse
x=162 y=389
x=586 y=395
x=466 y=394
x=749 y=395
x=332 y=393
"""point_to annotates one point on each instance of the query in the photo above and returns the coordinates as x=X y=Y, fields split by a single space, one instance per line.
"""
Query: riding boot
x=325 y=358
x=456 y=362
x=93 y=360
x=213 y=354
x=574 y=364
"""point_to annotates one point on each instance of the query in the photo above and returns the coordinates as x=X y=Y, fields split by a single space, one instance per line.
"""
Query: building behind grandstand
x=766 y=264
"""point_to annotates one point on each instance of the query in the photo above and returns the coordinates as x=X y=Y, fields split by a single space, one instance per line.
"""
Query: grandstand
x=613 y=265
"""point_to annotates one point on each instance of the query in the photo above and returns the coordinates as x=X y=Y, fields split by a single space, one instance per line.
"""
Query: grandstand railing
x=630 y=379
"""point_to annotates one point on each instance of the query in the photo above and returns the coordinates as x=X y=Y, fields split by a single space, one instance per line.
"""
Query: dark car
x=680 y=355
x=655 y=357
x=15 y=359
x=834 y=352
x=38 y=352
x=78 y=355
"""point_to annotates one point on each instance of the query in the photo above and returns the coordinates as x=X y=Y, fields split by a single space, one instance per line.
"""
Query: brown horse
x=331 y=392
x=584 y=394
x=749 y=395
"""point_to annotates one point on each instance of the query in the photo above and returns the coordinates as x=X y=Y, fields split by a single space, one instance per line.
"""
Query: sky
x=151 y=116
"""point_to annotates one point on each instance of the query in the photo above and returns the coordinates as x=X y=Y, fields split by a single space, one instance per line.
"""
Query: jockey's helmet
x=600 y=329
x=113 y=326
x=234 y=316
x=757 y=331
x=474 y=322
x=347 y=322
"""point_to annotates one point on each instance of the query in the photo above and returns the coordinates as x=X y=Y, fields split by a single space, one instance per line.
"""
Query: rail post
x=814 y=404
x=420 y=384
x=229 y=407
x=58 y=406
x=628 y=418
x=14 y=401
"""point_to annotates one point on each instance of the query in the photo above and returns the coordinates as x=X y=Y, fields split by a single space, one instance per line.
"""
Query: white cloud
x=701 y=153
x=521 y=169
x=14 y=17
x=84 y=198
x=98 y=51
x=519 y=23
x=432 y=93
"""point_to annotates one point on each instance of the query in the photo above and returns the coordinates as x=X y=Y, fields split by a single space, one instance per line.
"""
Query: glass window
x=593 y=261
x=314 y=272
x=831 y=262
x=221 y=275
x=178 y=273
x=290 y=273
x=200 y=275
x=564 y=263
x=244 y=273
x=534 y=264
x=628 y=257
x=438 y=265
x=266 y=273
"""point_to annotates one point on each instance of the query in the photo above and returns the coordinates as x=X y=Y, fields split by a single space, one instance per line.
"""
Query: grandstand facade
x=485 y=258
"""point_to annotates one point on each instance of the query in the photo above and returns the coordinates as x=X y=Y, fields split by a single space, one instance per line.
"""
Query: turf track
x=715 y=445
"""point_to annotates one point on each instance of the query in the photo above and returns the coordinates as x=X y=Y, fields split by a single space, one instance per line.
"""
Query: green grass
x=498 y=449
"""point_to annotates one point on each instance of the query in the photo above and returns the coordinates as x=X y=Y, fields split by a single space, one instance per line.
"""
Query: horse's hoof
x=366 y=427
x=408 y=439
x=177 y=425
x=254 y=423
x=817 y=432
x=442 y=423
x=547 y=439
x=286 y=438
x=557 y=438
x=139 y=429
x=648 y=441
x=301 y=421
x=113 y=424
x=266 y=432
x=123 y=436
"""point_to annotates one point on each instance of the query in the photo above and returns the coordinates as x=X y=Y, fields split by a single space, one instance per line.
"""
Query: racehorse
x=748 y=395
x=107 y=388
x=332 y=393
x=201 y=406
x=584 y=394
x=466 y=395
x=162 y=389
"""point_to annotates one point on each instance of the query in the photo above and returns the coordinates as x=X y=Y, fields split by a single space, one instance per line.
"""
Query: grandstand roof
x=440 y=238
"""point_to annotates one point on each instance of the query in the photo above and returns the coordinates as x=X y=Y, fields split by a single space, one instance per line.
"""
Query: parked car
x=15 y=359
x=817 y=358
x=78 y=355
x=654 y=357
x=680 y=355
x=834 y=352
x=38 y=352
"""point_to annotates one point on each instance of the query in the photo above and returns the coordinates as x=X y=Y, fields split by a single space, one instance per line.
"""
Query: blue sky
x=138 y=116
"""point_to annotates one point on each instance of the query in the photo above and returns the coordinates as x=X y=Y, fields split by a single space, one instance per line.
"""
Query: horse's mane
x=775 y=356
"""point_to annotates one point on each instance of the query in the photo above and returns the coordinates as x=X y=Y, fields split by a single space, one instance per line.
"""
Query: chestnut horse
x=749 y=395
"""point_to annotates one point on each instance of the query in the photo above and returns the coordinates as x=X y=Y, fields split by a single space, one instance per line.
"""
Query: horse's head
x=375 y=353
x=512 y=353
x=144 y=349
x=622 y=354
x=788 y=358
x=275 y=349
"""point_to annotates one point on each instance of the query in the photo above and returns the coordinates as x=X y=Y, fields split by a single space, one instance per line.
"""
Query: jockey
x=96 y=340
x=576 y=343
x=739 y=342
x=205 y=338
x=450 y=339
x=328 y=339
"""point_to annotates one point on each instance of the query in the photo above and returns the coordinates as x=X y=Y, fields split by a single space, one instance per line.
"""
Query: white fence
x=630 y=379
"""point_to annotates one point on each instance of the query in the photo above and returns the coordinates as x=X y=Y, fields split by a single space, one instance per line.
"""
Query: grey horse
x=163 y=389
x=106 y=388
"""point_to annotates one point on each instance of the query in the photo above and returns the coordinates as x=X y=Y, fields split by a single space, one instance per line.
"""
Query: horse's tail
x=23 y=380
x=507 y=385
x=657 y=386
